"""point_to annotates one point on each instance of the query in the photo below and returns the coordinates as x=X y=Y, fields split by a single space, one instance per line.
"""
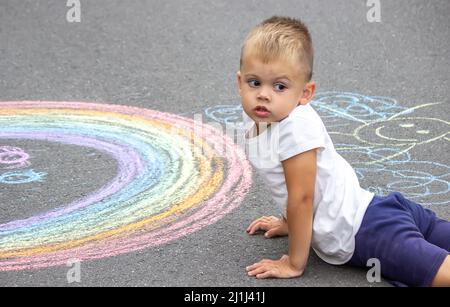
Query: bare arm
x=300 y=173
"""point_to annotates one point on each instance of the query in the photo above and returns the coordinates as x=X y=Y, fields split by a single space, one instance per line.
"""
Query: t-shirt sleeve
x=300 y=134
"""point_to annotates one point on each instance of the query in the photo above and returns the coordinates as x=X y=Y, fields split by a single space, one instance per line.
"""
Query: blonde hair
x=281 y=37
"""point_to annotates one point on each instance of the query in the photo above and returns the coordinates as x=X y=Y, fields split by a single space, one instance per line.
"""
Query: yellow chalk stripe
x=200 y=195
x=196 y=198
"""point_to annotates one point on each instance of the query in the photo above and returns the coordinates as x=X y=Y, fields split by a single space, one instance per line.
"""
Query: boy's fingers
x=266 y=274
x=260 y=269
x=271 y=233
x=253 y=223
x=258 y=264
x=251 y=228
x=261 y=219
x=265 y=261
x=253 y=266
x=266 y=219
x=258 y=226
x=257 y=271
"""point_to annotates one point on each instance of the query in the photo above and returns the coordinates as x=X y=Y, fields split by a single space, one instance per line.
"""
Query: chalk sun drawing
x=371 y=127
x=19 y=177
x=168 y=184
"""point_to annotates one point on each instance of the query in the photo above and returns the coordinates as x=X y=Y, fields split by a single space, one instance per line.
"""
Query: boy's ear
x=238 y=76
x=308 y=93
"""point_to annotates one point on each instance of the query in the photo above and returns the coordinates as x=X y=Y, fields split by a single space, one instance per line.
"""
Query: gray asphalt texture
x=182 y=56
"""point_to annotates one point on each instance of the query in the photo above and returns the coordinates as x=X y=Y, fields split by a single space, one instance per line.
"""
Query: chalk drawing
x=167 y=185
x=13 y=157
x=380 y=137
x=225 y=114
x=20 y=177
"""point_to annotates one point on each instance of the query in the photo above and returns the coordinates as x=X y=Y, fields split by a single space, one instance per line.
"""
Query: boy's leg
x=440 y=235
x=435 y=230
x=442 y=278
x=392 y=231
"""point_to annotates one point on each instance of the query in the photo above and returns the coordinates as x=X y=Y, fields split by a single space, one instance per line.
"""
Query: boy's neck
x=264 y=127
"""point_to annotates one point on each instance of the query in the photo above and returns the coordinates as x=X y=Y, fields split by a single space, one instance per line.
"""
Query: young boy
x=318 y=192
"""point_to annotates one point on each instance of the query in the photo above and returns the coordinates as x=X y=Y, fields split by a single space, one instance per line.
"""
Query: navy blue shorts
x=410 y=242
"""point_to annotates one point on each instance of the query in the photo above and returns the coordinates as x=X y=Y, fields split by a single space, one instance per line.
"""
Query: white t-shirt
x=339 y=201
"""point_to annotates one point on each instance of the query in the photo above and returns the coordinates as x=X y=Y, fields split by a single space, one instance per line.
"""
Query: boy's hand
x=272 y=225
x=274 y=268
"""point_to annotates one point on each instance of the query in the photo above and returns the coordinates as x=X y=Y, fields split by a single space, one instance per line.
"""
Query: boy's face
x=270 y=91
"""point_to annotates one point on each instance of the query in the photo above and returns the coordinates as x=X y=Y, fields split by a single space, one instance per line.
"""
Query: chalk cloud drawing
x=377 y=136
x=168 y=184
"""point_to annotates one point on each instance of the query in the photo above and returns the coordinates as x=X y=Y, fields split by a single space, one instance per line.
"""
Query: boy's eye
x=253 y=83
x=280 y=87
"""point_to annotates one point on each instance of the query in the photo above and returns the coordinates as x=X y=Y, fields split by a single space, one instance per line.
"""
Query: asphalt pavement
x=181 y=57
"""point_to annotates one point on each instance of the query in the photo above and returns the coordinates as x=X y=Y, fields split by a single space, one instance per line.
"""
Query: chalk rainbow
x=168 y=184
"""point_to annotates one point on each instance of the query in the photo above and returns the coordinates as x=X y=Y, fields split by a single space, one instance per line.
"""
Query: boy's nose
x=264 y=94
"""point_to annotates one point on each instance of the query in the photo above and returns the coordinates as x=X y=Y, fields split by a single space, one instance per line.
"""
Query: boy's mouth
x=261 y=111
